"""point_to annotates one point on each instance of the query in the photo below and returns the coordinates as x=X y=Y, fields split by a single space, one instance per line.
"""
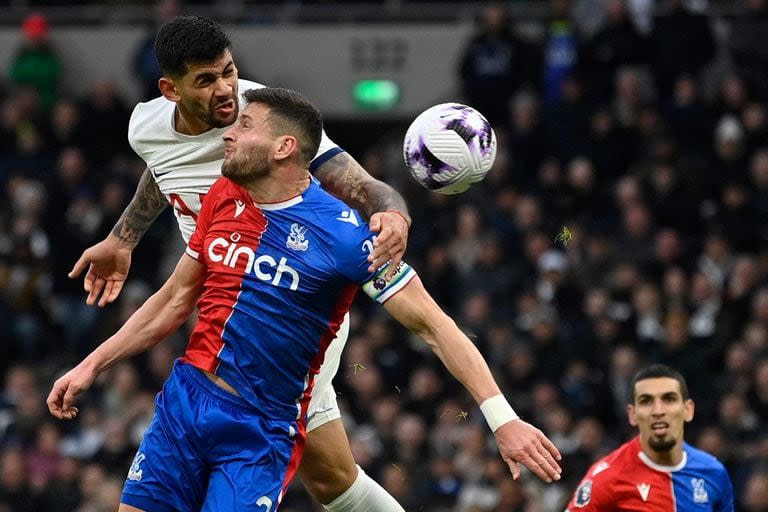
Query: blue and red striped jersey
x=279 y=280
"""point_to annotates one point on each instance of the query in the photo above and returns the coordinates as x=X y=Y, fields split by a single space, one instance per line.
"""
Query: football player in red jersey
x=657 y=470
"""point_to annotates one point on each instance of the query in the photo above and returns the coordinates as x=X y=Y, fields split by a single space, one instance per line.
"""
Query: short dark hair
x=656 y=371
x=291 y=113
x=188 y=39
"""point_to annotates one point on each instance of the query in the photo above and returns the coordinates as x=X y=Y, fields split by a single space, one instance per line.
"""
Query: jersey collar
x=659 y=467
x=282 y=204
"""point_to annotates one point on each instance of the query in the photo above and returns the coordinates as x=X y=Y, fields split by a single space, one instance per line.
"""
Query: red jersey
x=628 y=480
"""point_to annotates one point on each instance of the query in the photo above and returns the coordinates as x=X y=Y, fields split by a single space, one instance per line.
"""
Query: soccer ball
x=449 y=147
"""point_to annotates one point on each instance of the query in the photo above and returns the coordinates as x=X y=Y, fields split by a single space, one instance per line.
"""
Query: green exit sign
x=376 y=94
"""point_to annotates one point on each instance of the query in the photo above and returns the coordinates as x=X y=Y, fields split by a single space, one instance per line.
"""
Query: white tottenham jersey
x=185 y=166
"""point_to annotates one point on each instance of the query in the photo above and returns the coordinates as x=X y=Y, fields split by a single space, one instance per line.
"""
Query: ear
x=286 y=146
x=631 y=415
x=168 y=89
x=690 y=408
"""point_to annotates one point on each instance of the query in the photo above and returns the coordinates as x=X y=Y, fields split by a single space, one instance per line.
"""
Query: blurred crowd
x=624 y=222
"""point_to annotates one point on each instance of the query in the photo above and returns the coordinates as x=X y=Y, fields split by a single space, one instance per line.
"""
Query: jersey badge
x=584 y=493
x=699 y=491
x=135 y=472
x=349 y=217
x=296 y=238
x=644 y=489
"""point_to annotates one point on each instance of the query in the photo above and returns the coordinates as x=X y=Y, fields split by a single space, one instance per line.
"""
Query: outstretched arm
x=518 y=441
x=343 y=177
x=158 y=317
x=109 y=260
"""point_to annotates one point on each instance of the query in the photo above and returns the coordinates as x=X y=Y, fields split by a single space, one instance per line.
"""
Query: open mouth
x=226 y=108
x=660 y=428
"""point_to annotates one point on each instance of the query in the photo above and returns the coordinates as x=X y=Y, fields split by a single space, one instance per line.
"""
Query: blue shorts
x=208 y=449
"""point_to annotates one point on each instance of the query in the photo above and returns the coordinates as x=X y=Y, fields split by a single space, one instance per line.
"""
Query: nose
x=658 y=408
x=223 y=88
x=227 y=136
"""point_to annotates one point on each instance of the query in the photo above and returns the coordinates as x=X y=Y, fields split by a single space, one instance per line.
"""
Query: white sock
x=364 y=495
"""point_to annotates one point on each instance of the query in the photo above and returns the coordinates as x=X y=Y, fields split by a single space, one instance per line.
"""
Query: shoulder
x=221 y=191
x=701 y=460
x=700 y=457
x=704 y=467
x=343 y=224
x=224 y=188
x=243 y=85
x=613 y=464
x=250 y=83
x=148 y=118
x=598 y=485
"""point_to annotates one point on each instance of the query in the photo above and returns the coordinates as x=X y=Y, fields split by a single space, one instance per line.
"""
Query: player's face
x=660 y=413
x=248 y=146
x=208 y=93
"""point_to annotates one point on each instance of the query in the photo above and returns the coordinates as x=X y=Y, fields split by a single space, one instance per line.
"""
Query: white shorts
x=322 y=406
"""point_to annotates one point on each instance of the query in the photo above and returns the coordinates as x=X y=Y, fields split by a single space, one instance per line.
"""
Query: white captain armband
x=497 y=412
x=379 y=289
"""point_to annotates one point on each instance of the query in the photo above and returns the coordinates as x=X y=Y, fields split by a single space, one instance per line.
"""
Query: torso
x=627 y=480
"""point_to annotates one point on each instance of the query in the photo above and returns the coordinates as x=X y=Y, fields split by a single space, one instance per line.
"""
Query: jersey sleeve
x=591 y=495
x=195 y=245
x=327 y=150
x=725 y=500
x=354 y=247
x=134 y=123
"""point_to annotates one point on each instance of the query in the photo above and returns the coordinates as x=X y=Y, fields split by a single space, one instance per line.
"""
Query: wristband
x=405 y=218
x=497 y=412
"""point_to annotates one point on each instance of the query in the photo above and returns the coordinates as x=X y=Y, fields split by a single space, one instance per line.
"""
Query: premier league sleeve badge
x=583 y=493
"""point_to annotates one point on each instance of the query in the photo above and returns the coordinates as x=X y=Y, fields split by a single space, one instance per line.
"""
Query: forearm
x=413 y=307
x=460 y=357
x=343 y=177
x=154 y=321
x=147 y=203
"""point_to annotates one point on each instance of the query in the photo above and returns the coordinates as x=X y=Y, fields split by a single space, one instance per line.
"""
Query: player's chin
x=662 y=443
x=223 y=120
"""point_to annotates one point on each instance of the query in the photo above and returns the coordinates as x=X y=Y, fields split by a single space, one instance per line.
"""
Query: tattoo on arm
x=147 y=203
x=343 y=177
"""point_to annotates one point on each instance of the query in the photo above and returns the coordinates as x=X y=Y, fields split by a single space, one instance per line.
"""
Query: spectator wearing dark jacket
x=495 y=64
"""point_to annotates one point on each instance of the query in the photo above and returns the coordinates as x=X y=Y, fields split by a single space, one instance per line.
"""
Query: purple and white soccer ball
x=449 y=147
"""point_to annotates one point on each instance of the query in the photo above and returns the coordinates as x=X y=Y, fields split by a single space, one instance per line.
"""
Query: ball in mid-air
x=449 y=147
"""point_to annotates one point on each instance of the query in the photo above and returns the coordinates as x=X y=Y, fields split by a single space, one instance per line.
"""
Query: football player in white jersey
x=179 y=137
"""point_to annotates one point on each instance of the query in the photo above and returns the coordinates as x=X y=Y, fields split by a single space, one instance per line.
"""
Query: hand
x=391 y=241
x=109 y=263
x=66 y=389
x=522 y=443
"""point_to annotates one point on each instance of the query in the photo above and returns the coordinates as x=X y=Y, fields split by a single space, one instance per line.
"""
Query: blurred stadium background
x=639 y=126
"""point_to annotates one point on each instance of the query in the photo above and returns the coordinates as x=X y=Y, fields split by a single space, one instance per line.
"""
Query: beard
x=245 y=169
x=211 y=117
x=219 y=121
x=663 y=444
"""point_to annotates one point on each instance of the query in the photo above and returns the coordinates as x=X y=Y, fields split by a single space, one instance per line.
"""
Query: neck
x=187 y=124
x=278 y=187
x=672 y=457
